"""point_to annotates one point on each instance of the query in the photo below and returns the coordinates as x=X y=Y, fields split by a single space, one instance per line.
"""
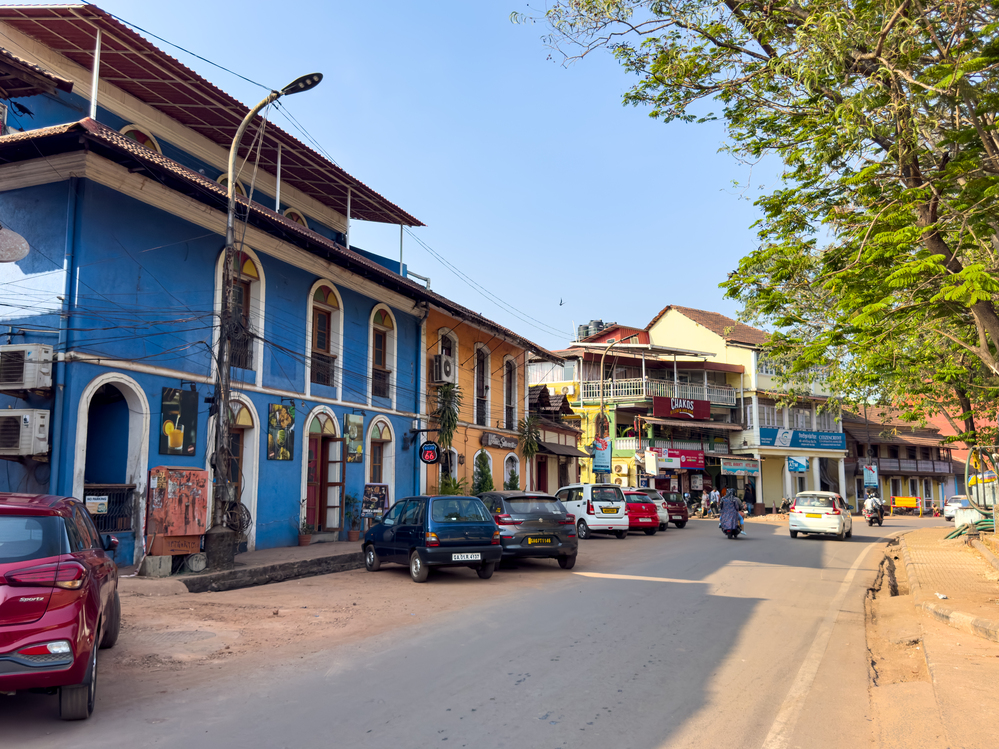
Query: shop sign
x=430 y=452
x=771 y=437
x=601 y=455
x=797 y=465
x=680 y=408
x=696 y=482
x=736 y=467
x=871 y=476
x=690 y=459
x=491 y=439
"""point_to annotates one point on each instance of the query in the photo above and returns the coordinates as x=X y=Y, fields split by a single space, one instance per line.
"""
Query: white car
x=820 y=513
x=599 y=508
x=955 y=503
x=661 y=508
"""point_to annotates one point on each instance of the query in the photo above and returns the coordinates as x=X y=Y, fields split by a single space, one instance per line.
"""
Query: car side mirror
x=110 y=543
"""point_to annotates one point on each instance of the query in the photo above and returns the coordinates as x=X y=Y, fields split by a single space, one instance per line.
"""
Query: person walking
x=749 y=498
x=715 y=499
x=705 y=504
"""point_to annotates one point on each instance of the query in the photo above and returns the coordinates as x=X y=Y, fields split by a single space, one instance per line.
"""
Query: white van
x=599 y=508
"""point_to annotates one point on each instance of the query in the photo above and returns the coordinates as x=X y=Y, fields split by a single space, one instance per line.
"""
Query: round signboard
x=430 y=452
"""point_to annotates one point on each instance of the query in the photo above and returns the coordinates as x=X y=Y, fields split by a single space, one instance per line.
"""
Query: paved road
x=684 y=639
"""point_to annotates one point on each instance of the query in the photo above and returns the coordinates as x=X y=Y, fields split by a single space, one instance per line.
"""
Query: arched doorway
x=112 y=455
x=324 y=473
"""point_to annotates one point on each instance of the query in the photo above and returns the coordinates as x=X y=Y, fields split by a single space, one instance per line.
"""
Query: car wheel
x=621 y=534
x=77 y=702
x=849 y=533
x=794 y=534
x=663 y=526
x=651 y=531
x=841 y=536
x=567 y=562
x=583 y=530
x=372 y=562
x=417 y=569
x=679 y=523
x=486 y=571
x=113 y=623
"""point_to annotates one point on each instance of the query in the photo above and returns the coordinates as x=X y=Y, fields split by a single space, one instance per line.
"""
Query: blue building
x=113 y=235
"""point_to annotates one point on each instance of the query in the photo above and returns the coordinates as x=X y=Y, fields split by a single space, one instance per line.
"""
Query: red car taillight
x=589 y=507
x=496 y=538
x=506 y=520
x=570 y=519
x=431 y=539
x=835 y=511
x=68 y=575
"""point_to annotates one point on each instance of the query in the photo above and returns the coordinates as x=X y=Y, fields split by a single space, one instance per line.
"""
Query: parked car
x=820 y=513
x=599 y=508
x=58 y=599
x=642 y=512
x=958 y=501
x=426 y=532
x=533 y=524
x=670 y=506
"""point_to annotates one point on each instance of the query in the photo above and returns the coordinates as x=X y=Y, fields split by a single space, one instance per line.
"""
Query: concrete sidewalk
x=254 y=568
x=952 y=568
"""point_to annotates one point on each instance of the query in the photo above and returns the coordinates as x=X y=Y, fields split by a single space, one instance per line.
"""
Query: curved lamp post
x=220 y=545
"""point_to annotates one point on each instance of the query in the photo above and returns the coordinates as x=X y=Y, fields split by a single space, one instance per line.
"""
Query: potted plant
x=352 y=513
x=305 y=528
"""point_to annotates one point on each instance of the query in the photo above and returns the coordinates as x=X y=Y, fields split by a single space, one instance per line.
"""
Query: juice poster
x=178 y=422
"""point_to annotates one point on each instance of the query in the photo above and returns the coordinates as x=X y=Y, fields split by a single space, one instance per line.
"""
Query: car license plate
x=609 y=510
x=645 y=520
x=813 y=515
x=543 y=540
x=471 y=557
x=676 y=517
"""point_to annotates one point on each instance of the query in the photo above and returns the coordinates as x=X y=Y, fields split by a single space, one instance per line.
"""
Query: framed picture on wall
x=280 y=432
x=178 y=422
x=353 y=430
x=375 y=501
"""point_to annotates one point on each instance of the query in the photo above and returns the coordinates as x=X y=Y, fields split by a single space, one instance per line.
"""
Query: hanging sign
x=734 y=467
x=601 y=455
x=797 y=465
x=871 y=476
x=430 y=452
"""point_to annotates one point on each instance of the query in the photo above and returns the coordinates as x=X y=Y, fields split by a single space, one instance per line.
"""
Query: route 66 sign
x=430 y=452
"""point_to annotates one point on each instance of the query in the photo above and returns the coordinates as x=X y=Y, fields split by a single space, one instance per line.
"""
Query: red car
x=58 y=599
x=642 y=514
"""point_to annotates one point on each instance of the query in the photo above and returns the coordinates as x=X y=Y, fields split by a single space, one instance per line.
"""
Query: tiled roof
x=731 y=330
x=20 y=77
x=879 y=422
x=211 y=192
x=140 y=69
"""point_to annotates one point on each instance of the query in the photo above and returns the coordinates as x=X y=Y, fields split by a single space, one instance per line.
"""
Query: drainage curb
x=986 y=552
x=985 y=628
x=271 y=573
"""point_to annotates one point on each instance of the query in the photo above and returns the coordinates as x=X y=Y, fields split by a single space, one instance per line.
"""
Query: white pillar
x=816 y=475
x=788 y=480
x=841 y=468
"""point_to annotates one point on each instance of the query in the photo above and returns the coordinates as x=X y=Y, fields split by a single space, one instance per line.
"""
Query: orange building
x=489 y=364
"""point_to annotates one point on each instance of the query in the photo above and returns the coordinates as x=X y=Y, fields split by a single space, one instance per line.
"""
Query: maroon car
x=58 y=599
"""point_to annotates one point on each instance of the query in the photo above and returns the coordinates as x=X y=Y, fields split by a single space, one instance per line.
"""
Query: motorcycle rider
x=873 y=503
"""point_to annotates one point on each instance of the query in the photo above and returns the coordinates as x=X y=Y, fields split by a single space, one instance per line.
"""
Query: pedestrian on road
x=715 y=499
x=749 y=498
x=705 y=504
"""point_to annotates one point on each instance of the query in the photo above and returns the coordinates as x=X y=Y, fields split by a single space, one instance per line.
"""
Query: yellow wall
x=467 y=438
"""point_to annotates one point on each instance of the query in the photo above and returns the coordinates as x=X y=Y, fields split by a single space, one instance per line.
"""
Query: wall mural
x=178 y=422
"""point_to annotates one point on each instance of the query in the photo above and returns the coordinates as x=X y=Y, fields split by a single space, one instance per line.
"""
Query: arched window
x=142 y=137
x=449 y=463
x=482 y=385
x=325 y=334
x=245 y=273
x=380 y=455
x=297 y=216
x=510 y=394
x=223 y=179
x=511 y=469
x=383 y=338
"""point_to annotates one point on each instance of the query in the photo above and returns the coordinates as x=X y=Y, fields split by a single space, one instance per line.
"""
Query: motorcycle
x=872 y=515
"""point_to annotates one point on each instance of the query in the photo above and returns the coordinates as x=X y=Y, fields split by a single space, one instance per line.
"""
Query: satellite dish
x=13 y=246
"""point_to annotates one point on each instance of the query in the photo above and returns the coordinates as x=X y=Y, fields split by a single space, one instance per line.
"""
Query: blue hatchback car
x=426 y=532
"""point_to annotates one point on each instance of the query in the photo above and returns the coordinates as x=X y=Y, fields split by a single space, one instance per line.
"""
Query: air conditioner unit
x=24 y=431
x=619 y=481
x=26 y=366
x=445 y=371
x=620 y=468
x=568 y=390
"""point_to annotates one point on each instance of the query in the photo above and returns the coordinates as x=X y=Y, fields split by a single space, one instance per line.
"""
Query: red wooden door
x=313 y=483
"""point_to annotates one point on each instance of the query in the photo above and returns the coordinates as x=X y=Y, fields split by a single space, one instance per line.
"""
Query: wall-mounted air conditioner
x=444 y=371
x=24 y=431
x=619 y=468
x=25 y=366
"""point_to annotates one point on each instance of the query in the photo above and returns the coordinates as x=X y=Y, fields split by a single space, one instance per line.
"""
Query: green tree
x=513 y=482
x=529 y=436
x=482 y=478
x=877 y=260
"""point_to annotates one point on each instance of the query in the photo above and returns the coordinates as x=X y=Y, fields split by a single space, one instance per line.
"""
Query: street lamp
x=220 y=546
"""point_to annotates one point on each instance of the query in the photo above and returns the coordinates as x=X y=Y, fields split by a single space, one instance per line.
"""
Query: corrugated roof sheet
x=136 y=66
x=20 y=77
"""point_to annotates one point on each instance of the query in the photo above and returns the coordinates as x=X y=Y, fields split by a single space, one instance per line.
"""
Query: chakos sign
x=680 y=408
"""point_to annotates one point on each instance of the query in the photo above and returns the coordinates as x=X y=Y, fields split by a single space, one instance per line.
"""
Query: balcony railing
x=634 y=443
x=639 y=389
x=894 y=465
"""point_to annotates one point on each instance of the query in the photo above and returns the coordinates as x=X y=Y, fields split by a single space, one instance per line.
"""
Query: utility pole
x=220 y=540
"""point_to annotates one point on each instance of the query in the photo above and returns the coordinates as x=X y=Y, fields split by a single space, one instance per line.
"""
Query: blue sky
x=533 y=179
